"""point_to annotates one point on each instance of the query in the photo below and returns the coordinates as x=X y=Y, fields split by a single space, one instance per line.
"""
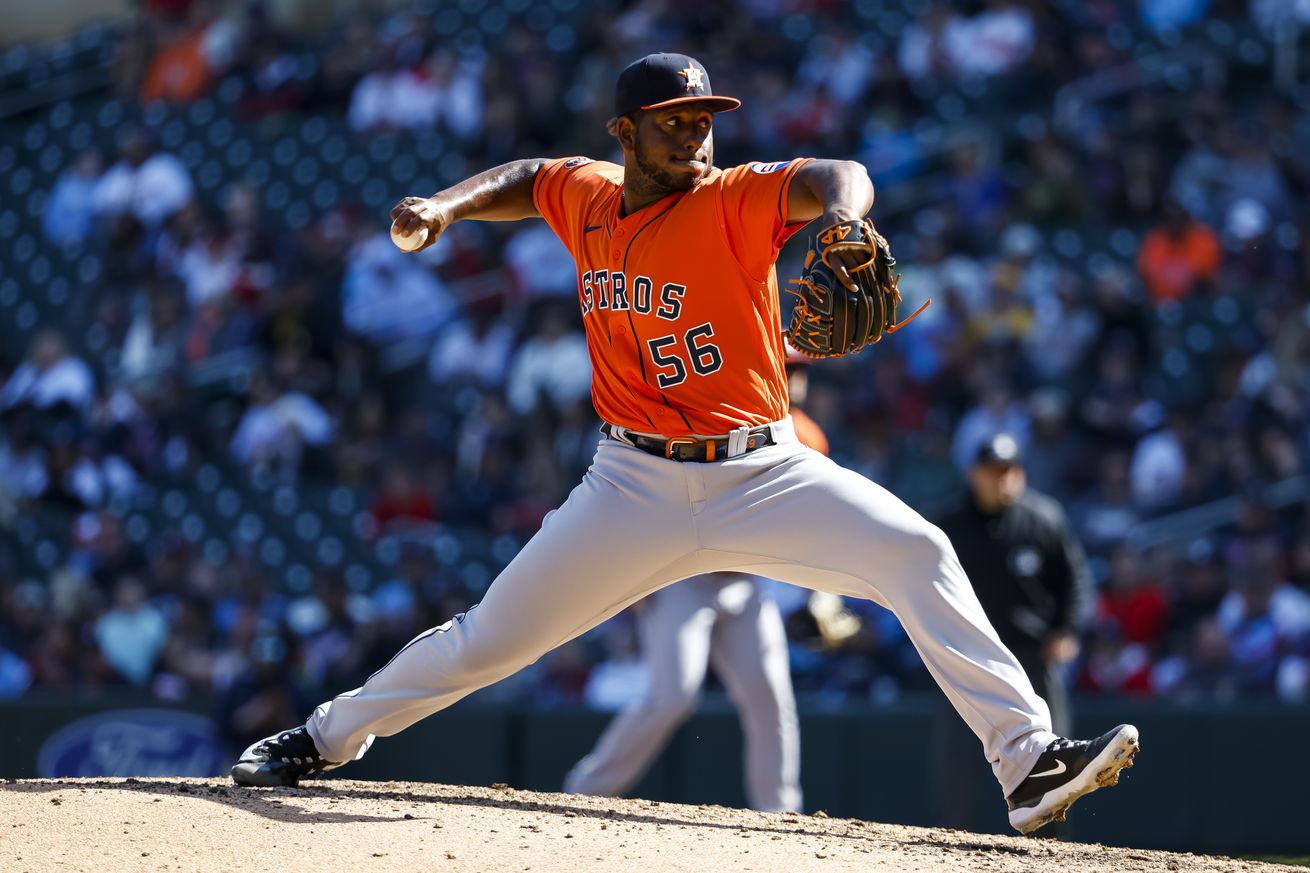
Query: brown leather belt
x=690 y=448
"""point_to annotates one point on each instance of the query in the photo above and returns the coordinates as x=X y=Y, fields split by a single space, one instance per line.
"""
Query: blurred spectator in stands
x=473 y=350
x=191 y=55
x=1124 y=320
x=23 y=473
x=995 y=41
x=921 y=50
x=387 y=295
x=999 y=411
x=335 y=647
x=1179 y=256
x=840 y=63
x=1065 y=324
x=889 y=148
x=1113 y=407
x=402 y=503
x=99 y=475
x=67 y=215
x=974 y=189
x=1198 y=588
x=50 y=377
x=1263 y=617
x=404 y=93
x=1055 y=192
x=271 y=82
x=454 y=89
x=552 y=365
x=266 y=693
x=155 y=337
x=1163 y=15
x=150 y=185
x=1133 y=607
x=541 y=265
x=1104 y=514
x=277 y=427
x=1158 y=469
x=132 y=633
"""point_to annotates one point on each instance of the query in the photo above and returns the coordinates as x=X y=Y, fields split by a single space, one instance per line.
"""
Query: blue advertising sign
x=134 y=742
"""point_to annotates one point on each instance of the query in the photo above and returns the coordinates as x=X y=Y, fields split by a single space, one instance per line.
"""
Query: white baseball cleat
x=1066 y=771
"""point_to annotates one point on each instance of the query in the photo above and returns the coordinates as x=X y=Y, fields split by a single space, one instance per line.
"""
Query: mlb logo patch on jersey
x=573 y=163
x=765 y=169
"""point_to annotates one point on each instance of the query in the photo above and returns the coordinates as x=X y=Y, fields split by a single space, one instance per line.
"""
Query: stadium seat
x=89 y=269
x=358 y=577
x=24 y=248
x=334 y=149
x=298 y=578
x=57 y=291
x=219 y=133
x=403 y=169
x=277 y=195
x=272 y=552
x=34 y=137
x=192 y=154
x=355 y=170
x=257 y=172
x=308 y=526
x=138 y=528
x=305 y=172
x=215 y=552
x=35 y=204
x=193 y=527
x=326 y=194
x=285 y=151
x=313 y=131
x=250 y=527
x=80 y=136
x=61 y=115
x=209 y=176
x=329 y=551
x=228 y=503
x=207 y=478
x=200 y=113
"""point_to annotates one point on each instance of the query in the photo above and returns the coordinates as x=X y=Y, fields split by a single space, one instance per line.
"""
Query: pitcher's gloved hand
x=848 y=292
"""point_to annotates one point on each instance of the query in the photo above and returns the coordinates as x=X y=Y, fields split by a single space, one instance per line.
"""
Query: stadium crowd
x=1118 y=282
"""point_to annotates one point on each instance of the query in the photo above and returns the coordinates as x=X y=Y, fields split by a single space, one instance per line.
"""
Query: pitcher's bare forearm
x=503 y=193
x=836 y=190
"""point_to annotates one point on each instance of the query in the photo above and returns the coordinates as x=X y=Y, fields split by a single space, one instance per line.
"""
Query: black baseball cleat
x=281 y=760
x=1066 y=771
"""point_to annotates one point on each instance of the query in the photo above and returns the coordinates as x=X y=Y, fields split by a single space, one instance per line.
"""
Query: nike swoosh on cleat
x=1055 y=771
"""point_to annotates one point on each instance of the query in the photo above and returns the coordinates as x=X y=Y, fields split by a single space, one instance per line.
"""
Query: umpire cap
x=1000 y=449
x=666 y=80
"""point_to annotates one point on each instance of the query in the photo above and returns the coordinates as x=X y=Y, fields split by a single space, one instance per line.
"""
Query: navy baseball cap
x=666 y=80
x=1000 y=449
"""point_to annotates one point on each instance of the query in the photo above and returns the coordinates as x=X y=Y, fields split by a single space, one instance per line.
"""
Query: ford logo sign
x=133 y=742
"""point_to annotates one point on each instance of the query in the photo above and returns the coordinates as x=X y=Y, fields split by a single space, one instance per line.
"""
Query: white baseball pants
x=721 y=619
x=638 y=522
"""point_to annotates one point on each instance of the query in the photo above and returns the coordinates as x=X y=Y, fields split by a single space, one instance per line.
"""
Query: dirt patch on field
x=340 y=825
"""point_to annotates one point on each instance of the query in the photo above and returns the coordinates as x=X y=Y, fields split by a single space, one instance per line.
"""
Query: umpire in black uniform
x=1032 y=579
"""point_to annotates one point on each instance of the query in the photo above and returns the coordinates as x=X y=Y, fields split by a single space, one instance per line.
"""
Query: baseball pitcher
x=699 y=469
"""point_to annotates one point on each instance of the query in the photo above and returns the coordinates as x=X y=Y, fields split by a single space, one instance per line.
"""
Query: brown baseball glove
x=847 y=292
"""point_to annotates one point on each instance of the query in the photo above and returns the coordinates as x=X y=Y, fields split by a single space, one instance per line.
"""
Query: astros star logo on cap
x=693 y=77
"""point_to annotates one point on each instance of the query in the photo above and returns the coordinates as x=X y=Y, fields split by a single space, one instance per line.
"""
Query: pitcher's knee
x=671 y=707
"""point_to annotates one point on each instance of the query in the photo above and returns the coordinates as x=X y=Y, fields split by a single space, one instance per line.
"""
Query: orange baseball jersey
x=679 y=299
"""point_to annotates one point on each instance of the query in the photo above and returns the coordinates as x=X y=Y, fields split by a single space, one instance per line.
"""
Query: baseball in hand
x=409 y=242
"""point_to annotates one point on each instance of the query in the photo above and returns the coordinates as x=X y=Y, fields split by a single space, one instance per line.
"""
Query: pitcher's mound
x=361 y=827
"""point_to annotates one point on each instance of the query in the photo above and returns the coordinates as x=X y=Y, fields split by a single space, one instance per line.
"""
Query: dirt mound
x=209 y=825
